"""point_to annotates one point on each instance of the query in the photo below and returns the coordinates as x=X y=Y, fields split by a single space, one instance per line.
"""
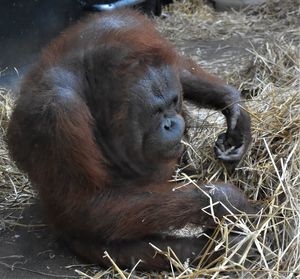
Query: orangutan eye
x=159 y=111
x=175 y=100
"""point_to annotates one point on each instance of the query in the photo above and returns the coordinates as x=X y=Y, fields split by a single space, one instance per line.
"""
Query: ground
x=256 y=51
x=31 y=251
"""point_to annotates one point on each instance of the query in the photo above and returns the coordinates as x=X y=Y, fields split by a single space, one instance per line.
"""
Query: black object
x=150 y=7
x=112 y=5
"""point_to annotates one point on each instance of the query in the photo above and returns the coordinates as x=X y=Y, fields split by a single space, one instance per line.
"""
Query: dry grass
x=270 y=246
x=15 y=189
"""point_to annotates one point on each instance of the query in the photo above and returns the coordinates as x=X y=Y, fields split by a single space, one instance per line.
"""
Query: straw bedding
x=267 y=74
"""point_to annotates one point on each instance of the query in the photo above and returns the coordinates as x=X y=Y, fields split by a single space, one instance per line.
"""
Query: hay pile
x=15 y=189
x=269 y=77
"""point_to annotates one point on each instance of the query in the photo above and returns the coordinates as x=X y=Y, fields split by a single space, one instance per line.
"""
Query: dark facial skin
x=157 y=102
x=152 y=126
x=98 y=128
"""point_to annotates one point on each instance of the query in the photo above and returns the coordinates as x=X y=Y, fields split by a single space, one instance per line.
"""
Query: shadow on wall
x=26 y=26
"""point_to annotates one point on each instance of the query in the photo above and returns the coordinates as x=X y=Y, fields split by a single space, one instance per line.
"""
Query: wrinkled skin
x=98 y=128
